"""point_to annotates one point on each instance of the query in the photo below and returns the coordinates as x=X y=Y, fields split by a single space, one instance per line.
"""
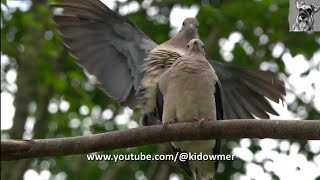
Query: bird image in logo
x=305 y=18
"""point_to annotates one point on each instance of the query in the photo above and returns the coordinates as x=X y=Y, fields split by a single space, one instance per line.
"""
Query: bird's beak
x=191 y=26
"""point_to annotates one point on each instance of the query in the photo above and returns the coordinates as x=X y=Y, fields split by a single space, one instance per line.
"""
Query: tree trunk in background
x=26 y=93
x=25 y=82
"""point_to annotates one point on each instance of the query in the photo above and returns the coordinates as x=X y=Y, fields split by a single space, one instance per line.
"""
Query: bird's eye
x=183 y=24
x=188 y=46
x=202 y=46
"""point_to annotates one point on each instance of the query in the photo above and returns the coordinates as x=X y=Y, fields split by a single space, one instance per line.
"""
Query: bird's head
x=190 y=26
x=196 y=46
x=188 y=31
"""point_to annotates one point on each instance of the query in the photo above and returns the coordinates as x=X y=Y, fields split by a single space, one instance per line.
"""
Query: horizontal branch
x=276 y=129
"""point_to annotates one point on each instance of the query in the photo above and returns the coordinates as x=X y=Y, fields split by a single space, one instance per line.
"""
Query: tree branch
x=276 y=129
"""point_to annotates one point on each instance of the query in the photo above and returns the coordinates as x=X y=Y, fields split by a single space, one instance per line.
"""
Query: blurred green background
x=44 y=94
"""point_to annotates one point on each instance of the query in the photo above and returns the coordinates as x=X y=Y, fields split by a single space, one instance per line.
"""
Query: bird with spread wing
x=128 y=63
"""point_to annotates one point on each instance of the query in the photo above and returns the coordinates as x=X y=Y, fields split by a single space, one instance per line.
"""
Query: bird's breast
x=192 y=95
x=158 y=61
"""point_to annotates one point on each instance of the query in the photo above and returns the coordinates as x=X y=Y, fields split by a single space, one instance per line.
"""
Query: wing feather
x=219 y=111
x=245 y=91
x=107 y=45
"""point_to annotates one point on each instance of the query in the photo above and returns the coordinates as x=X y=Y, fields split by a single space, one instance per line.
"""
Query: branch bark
x=249 y=128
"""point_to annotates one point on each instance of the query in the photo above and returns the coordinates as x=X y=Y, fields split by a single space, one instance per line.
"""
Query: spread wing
x=107 y=45
x=244 y=91
x=219 y=111
x=112 y=48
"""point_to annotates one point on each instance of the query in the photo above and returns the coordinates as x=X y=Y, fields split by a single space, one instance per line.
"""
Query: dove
x=117 y=53
x=190 y=90
x=160 y=59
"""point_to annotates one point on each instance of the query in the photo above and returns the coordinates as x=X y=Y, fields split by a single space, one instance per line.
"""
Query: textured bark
x=277 y=129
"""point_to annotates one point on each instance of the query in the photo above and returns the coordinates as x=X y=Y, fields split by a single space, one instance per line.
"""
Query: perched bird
x=117 y=52
x=159 y=60
x=190 y=90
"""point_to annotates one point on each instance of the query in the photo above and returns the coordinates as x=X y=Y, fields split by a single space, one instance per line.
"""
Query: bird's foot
x=159 y=122
x=170 y=121
x=196 y=119
x=201 y=120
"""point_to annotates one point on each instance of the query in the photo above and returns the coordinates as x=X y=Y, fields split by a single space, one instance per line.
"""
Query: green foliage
x=31 y=36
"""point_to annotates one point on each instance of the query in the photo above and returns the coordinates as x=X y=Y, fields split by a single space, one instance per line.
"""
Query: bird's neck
x=196 y=51
x=182 y=39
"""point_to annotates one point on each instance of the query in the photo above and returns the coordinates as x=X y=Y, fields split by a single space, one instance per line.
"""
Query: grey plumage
x=113 y=49
x=244 y=90
x=106 y=45
x=190 y=90
x=160 y=59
